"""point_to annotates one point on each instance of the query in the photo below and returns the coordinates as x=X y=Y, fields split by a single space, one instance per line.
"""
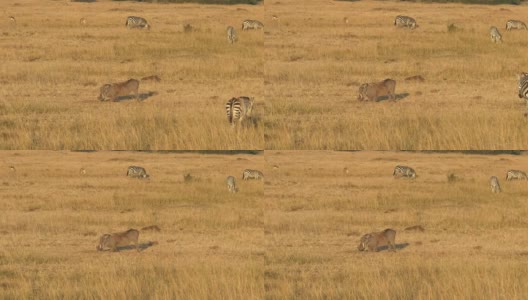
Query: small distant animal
x=495 y=35
x=252 y=174
x=151 y=227
x=405 y=21
x=137 y=22
x=12 y=19
x=275 y=167
x=345 y=20
x=515 y=24
x=153 y=78
x=137 y=172
x=231 y=184
x=404 y=171
x=12 y=168
x=231 y=35
x=516 y=175
x=114 y=240
x=523 y=86
x=83 y=21
x=252 y=24
x=83 y=171
x=372 y=91
x=239 y=109
x=111 y=91
x=345 y=171
x=418 y=78
x=371 y=241
x=494 y=184
x=188 y=28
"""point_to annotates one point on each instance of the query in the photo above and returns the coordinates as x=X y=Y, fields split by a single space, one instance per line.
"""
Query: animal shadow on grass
x=141 y=97
x=397 y=246
x=142 y=246
x=397 y=97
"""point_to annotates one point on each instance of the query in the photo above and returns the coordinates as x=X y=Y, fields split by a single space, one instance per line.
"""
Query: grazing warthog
x=113 y=240
x=516 y=174
x=83 y=21
x=371 y=91
x=112 y=91
x=345 y=171
x=494 y=184
x=82 y=171
x=371 y=241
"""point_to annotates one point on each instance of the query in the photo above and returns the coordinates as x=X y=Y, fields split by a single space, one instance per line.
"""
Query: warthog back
x=371 y=241
x=114 y=240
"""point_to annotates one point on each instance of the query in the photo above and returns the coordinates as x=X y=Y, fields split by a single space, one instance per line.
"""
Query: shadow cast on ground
x=141 y=97
x=398 y=97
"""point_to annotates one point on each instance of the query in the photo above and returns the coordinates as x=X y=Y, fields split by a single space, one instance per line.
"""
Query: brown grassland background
x=474 y=245
x=52 y=69
x=210 y=245
x=315 y=64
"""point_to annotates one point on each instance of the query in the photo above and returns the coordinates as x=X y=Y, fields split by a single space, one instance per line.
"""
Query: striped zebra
x=252 y=24
x=238 y=109
x=137 y=22
x=405 y=21
x=137 y=172
x=231 y=184
x=515 y=24
x=495 y=35
x=252 y=174
x=83 y=21
x=231 y=35
x=523 y=86
x=516 y=174
x=404 y=171
x=494 y=184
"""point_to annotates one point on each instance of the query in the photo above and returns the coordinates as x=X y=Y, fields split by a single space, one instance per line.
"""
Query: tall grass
x=316 y=216
x=210 y=244
x=49 y=92
x=315 y=64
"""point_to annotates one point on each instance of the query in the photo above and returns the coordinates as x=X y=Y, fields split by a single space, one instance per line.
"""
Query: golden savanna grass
x=474 y=245
x=52 y=69
x=210 y=245
x=315 y=64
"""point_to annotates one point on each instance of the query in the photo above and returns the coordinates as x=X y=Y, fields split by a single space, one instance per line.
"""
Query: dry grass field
x=52 y=69
x=210 y=245
x=474 y=245
x=315 y=64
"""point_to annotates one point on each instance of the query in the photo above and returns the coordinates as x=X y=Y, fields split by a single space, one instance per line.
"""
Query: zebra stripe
x=137 y=172
x=515 y=24
x=404 y=171
x=494 y=184
x=495 y=35
x=137 y=22
x=252 y=174
x=238 y=109
x=231 y=35
x=252 y=24
x=516 y=174
x=523 y=86
x=231 y=184
x=405 y=21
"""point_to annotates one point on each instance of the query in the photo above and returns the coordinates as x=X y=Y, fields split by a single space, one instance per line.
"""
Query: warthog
x=112 y=91
x=137 y=172
x=113 y=240
x=83 y=21
x=371 y=241
x=404 y=171
x=82 y=171
x=231 y=184
x=373 y=90
x=494 y=184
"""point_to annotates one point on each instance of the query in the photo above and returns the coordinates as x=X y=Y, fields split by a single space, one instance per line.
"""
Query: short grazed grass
x=315 y=64
x=210 y=245
x=474 y=244
x=53 y=68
